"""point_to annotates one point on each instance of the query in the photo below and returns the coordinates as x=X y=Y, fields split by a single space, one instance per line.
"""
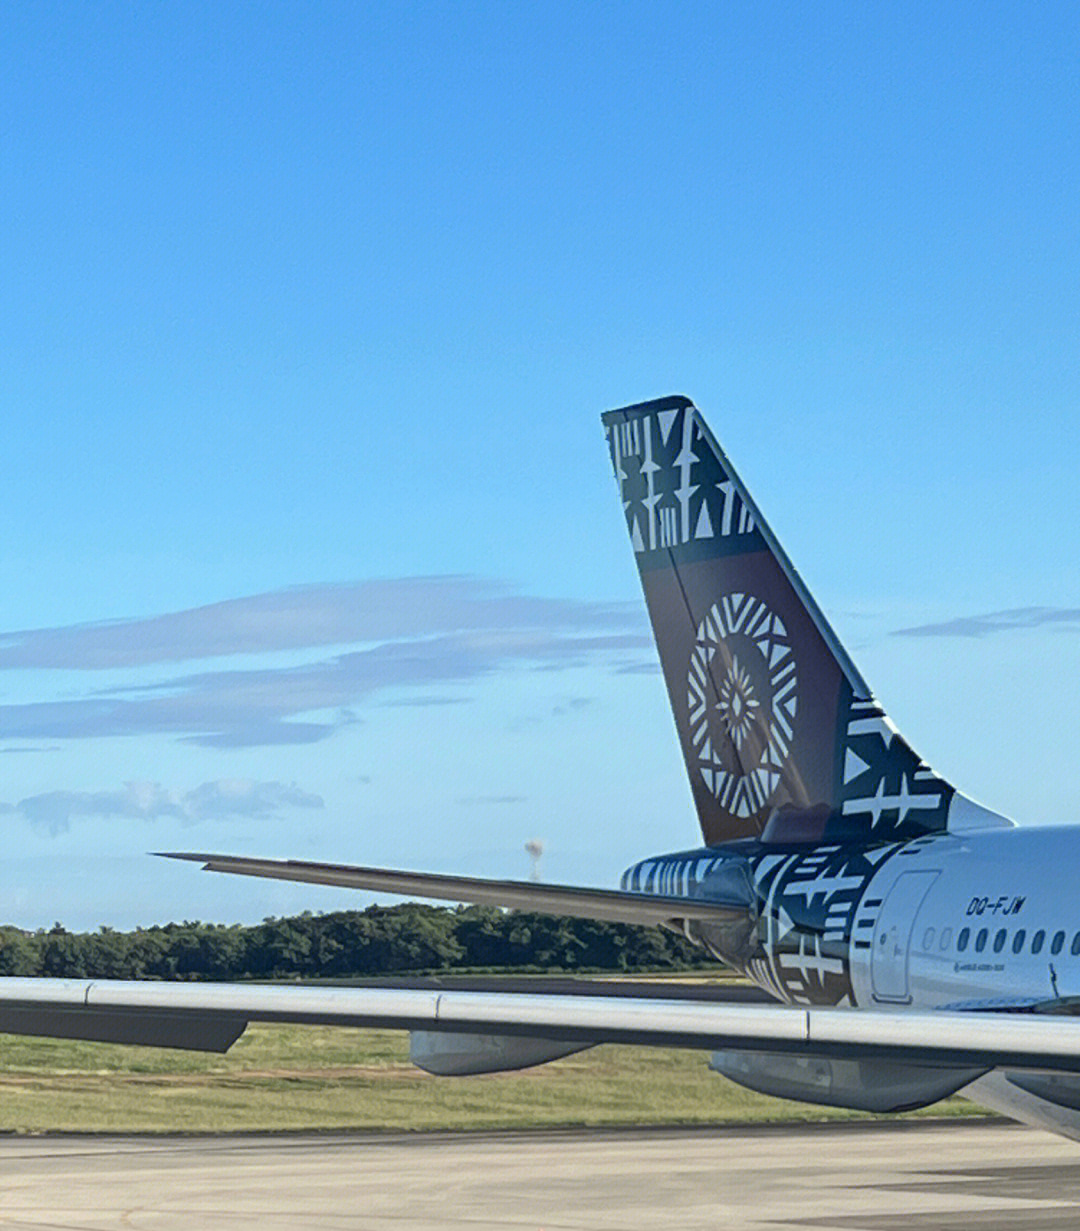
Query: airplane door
x=892 y=935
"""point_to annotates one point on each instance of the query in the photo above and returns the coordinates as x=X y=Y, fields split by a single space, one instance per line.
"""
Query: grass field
x=280 y=1078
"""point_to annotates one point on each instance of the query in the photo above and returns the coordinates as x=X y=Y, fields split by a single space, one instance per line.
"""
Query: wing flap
x=611 y=905
x=63 y=1009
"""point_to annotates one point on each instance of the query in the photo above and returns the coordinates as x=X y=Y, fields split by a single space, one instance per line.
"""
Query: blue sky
x=307 y=315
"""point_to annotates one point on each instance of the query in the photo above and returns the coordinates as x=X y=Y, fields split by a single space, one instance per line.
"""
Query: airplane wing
x=612 y=905
x=211 y=1016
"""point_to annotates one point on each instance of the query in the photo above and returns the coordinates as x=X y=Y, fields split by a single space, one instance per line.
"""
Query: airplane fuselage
x=942 y=919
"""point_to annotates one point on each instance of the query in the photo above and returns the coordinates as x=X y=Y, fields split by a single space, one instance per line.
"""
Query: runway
x=866 y=1177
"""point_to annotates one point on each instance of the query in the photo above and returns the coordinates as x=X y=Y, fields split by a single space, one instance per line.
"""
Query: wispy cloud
x=489 y=801
x=1066 y=618
x=304 y=617
x=424 y=701
x=639 y=668
x=428 y=633
x=572 y=705
x=54 y=811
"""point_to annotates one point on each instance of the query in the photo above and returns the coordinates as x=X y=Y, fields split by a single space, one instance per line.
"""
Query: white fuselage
x=990 y=915
x=983 y=919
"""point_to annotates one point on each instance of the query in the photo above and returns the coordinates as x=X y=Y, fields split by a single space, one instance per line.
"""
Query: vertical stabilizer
x=781 y=735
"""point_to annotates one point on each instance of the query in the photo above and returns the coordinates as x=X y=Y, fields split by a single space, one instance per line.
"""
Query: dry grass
x=280 y=1078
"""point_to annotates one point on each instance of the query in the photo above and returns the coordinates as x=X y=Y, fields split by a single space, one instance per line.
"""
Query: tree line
x=382 y=940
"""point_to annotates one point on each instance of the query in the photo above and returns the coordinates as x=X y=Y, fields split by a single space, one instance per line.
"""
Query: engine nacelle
x=1061 y=1089
x=449 y=1054
x=862 y=1085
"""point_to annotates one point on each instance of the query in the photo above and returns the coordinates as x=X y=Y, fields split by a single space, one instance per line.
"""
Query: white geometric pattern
x=674 y=491
x=883 y=779
x=731 y=711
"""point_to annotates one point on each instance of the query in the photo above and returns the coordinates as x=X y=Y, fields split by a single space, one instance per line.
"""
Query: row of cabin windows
x=963 y=939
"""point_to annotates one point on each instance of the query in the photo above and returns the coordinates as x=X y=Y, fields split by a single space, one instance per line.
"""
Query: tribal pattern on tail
x=676 y=495
x=883 y=787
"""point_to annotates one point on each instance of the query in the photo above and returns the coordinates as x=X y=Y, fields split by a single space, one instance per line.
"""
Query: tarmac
x=988 y=1176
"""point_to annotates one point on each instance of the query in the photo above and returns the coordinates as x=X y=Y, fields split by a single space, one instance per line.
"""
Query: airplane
x=917 y=944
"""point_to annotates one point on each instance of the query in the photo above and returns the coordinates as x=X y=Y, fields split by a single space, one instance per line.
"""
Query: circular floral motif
x=741 y=699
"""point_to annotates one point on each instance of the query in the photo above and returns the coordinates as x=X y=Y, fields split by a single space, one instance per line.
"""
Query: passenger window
x=1018 y=941
x=962 y=939
x=999 y=940
x=1037 y=941
x=1075 y=945
x=946 y=939
x=980 y=940
x=1057 y=942
x=928 y=939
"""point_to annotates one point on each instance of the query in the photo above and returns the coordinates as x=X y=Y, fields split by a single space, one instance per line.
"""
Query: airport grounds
x=281 y=1078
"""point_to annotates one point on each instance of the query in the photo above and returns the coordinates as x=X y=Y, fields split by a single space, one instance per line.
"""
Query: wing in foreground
x=137 y=1012
x=611 y=905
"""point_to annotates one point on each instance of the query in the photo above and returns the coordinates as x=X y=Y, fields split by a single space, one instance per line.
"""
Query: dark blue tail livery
x=781 y=736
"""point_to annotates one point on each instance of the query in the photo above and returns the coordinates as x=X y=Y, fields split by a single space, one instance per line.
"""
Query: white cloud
x=302 y=617
x=436 y=632
x=54 y=811
x=1065 y=618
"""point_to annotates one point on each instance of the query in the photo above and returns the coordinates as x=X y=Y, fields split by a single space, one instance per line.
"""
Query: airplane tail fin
x=781 y=735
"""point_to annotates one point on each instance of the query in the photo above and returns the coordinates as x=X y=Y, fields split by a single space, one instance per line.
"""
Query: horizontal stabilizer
x=610 y=905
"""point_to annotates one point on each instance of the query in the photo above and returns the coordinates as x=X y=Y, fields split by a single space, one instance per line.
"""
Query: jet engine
x=862 y=1085
x=450 y=1054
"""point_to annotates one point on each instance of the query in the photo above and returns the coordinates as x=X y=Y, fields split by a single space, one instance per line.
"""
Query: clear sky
x=307 y=315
